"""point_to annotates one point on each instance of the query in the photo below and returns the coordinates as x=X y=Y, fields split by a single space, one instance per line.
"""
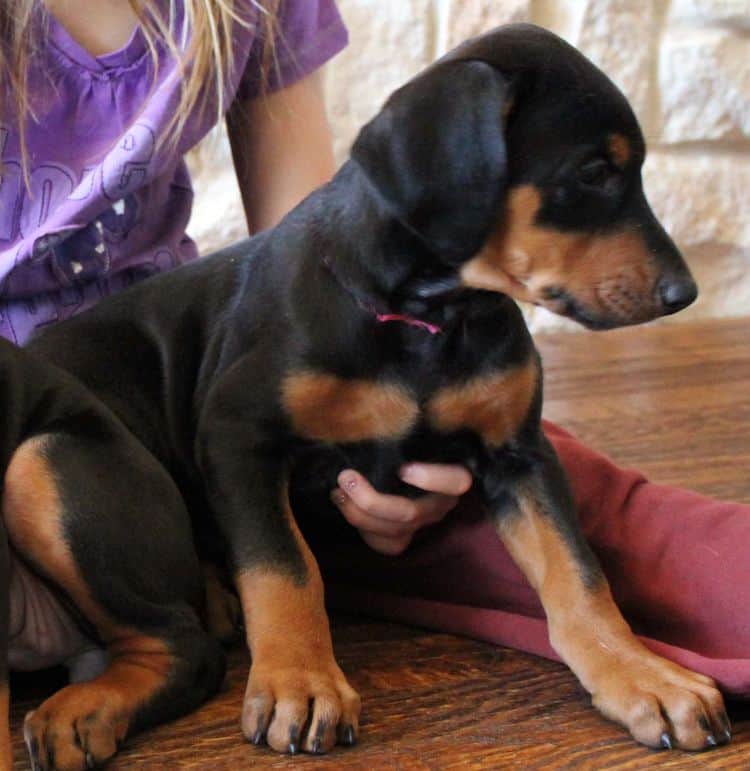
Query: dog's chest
x=327 y=408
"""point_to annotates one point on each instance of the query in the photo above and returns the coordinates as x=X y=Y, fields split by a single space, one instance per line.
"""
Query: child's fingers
x=391 y=547
x=393 y=508
x=437 y=477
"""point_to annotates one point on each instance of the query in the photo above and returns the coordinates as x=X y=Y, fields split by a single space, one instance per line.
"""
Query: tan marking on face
x=332 y=409
x=619 y=149
x=502 y=263
x=494 y=406
x=612 y=276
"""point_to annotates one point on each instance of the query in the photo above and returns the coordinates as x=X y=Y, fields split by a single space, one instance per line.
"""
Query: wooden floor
x=673 y=401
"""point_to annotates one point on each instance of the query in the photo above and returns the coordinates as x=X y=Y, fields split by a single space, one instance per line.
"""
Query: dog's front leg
x=297 y=698
x=661 y=703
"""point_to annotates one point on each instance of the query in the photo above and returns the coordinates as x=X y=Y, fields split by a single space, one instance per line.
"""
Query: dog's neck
x=379 y=314
x=380 y=263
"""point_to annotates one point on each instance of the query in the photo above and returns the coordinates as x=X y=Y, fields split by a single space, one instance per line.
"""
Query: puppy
x=376 y=324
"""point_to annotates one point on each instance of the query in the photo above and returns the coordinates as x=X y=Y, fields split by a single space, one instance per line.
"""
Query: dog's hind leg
x=97 y=516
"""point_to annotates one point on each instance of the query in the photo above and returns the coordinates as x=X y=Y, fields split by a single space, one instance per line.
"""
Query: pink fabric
x=677 y=563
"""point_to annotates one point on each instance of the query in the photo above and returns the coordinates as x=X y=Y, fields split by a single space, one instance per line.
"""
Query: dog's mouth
x=563 y=303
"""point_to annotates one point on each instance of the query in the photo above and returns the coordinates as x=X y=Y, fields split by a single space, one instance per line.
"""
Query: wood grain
x=673 y=401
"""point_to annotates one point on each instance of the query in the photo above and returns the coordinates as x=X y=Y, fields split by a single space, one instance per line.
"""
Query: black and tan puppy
x=374 y=325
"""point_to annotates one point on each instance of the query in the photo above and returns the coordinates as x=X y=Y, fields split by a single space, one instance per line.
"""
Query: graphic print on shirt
x=24 y=212
x=85 y=262
x=125 y=167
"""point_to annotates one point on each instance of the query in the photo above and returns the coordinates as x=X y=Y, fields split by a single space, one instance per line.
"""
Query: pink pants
x=677 y=562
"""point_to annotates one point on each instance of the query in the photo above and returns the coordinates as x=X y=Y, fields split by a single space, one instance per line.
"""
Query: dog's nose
x=677 y=293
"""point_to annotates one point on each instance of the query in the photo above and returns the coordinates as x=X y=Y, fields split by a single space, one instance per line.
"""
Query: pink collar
x=383 y=318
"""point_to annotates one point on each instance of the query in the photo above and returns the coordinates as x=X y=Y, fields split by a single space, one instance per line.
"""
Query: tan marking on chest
x=494 y=405
x=332 y=409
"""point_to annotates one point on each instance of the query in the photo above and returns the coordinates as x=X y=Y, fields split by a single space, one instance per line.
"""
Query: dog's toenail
x=711 y=740
x=666 y=741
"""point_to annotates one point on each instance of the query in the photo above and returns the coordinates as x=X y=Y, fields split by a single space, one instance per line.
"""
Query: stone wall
x=684 y=64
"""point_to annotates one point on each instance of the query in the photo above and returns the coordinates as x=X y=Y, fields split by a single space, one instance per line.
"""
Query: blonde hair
x=202 y=47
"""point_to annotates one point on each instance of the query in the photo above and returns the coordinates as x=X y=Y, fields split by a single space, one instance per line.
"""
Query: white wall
x=684 y=64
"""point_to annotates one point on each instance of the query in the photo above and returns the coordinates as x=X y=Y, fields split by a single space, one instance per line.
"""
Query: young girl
x=100 y=103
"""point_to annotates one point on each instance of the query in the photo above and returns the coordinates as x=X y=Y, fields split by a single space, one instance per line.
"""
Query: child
x=100 y=102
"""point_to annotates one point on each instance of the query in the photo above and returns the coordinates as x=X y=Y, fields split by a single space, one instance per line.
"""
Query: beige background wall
x=684 y=64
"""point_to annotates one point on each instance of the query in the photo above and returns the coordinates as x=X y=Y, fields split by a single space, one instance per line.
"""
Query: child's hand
x=387 y=523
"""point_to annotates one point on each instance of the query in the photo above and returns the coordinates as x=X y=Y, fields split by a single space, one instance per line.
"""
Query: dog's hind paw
x=76 y=729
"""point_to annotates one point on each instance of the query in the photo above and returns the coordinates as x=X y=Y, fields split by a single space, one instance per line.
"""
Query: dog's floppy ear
x=436 y=155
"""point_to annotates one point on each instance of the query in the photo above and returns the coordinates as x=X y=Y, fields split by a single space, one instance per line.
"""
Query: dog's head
x=518 y=163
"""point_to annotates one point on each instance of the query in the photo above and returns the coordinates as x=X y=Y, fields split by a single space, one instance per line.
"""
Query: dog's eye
x=595 y=173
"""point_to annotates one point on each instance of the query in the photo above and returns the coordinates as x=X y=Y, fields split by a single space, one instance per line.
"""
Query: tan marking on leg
x=547 y=561
x=611 y=276
x=619 y=149
x=279 y=607
x=493 y=405
x=628 y=683
x=33 y=512
x=293 y=668
x=140 y=665
x=332 y=409
x=6 y=748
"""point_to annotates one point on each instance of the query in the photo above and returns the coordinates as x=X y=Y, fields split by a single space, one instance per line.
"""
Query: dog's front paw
x=300 y=708
x=664 y=705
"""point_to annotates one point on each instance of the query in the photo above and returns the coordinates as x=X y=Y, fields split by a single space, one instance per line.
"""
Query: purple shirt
x=108 y=206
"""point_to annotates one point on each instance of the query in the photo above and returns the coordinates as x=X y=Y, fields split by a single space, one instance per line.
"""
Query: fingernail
x=409 y=472
x=348 y=480
x=338 y=497
x=666 y=741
